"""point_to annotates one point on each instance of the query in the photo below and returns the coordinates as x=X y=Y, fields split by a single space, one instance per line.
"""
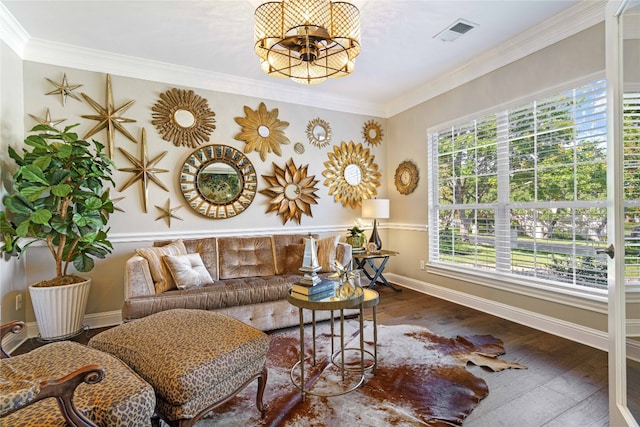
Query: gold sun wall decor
x=291 y=190
x=218 y=181
x=372 y=132
x=184 y=118
x=143 y=170
x=406 y=177
x=108 y=117
x=351 y=174
x=262 y=131
x=319 y=132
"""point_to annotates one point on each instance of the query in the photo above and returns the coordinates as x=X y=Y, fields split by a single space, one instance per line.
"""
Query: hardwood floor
x=565 y=384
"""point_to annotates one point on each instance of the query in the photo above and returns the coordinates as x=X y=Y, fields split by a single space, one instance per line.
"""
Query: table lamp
x=376 y=209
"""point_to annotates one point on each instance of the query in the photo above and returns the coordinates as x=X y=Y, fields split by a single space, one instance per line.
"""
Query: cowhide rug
x=421 y=380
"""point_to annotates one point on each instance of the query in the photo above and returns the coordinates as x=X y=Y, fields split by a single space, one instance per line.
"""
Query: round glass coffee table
x=332 y=304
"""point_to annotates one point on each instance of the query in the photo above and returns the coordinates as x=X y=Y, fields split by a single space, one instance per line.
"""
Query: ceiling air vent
x=455 y=30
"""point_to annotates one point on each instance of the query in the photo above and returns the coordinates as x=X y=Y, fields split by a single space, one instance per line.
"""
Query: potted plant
x=356 y=237
x=59 y=198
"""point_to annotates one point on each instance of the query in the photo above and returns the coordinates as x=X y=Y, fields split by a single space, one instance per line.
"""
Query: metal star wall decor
x=47 y=120
x=109 y=117
x=64 y=89
x=168 y=212
x=144 y=170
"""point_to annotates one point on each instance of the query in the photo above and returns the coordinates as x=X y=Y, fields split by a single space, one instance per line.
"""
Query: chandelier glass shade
x=307 y=40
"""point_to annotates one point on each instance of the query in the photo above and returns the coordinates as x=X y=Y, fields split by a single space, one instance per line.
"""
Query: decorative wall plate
x=184 y=118
x=319 y=132
x=262 y=131
x=406 y=177
x=372 y=132
x=351 y=174
x=218 y=181
x=292 y=192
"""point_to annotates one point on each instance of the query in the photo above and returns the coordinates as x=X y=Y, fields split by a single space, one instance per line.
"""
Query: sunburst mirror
x=351 y=174
x=406 y=177
x=184 y=118
x=292 y=191
x=319 y=132
x=262 y=131
x=218 y=181
x=372 y=132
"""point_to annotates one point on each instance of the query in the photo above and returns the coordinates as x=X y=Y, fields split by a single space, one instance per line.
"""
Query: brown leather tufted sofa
x=251 y=277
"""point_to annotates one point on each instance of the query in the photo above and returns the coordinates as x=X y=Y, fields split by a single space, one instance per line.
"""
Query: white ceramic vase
x=60 y=310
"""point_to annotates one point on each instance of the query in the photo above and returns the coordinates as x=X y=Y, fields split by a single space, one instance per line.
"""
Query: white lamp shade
x=375 y=208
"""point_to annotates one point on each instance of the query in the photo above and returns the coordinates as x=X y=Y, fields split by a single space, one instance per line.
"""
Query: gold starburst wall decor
x=143 y=170
x=184 y=118
x=351 y=174
x=109 y=117
x=372 y=132
x=291 y=190
x=47 y=120
x=168 y=212
x=262 y=131
x=64 y=89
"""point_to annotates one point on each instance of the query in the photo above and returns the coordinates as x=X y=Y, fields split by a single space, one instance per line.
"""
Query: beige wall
x=573 y=58
x=12 y=277
x=134 y=228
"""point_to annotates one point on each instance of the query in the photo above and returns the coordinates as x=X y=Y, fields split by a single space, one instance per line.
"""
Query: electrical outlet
x=421 y=264
x=18 y=302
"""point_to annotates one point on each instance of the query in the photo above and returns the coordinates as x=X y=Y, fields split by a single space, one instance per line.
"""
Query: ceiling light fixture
x=307 y=40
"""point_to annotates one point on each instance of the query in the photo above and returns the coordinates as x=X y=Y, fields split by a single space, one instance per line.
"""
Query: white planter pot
x=60 y=310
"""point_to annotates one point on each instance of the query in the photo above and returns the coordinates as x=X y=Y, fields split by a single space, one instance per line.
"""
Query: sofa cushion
x=188 y=271
x=245 y=257
x=327 y=253
x=293 y=259
x=162 y=279
x=207 y=247
x=280 y=243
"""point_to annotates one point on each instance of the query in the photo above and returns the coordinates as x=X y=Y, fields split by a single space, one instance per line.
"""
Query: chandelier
x=307 y=40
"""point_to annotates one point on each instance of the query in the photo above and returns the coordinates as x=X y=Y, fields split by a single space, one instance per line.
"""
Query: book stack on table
x=324 y=289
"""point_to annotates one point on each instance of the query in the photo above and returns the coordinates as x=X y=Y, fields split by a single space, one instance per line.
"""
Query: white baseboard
x=91 y=321
x=571 y=331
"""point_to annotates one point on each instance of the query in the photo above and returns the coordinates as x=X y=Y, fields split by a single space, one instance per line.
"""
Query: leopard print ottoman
x=194 y=359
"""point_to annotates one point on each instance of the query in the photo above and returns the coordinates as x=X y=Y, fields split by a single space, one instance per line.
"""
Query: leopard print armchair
x=53 y=385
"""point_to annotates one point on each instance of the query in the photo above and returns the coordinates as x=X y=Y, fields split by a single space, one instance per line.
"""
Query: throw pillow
x=293 y=259
x=327 y=253
x=188 y=271
x=162 y=279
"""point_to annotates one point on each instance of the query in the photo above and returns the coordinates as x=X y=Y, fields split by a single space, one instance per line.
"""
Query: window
x=522 y=191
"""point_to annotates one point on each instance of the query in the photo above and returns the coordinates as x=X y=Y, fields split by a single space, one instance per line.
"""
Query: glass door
x=623 y=177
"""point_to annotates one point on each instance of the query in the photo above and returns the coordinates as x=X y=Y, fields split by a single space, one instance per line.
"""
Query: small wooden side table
x=374 y=271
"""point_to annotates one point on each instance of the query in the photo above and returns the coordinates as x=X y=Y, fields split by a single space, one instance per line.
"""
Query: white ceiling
x=399 y=54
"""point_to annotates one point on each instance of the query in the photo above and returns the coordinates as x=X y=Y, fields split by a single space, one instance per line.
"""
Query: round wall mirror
x=353 y=174
x=291 y=191
x=263 y=131
x=319 y=132
x=218 y=181
x=372 y=132
x=184 y=118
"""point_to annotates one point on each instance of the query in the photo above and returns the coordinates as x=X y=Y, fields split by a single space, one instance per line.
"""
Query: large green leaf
x=61 y=190
x=18 y=205
x=36 y=141
x=41 y=216
x=33 y=174
x=83 y=263
x=93 y=203
x=42 y=162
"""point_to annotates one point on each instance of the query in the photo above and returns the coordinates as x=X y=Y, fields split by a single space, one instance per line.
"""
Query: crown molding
x=48 y=52
x=571 y=21
x=12 y=33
